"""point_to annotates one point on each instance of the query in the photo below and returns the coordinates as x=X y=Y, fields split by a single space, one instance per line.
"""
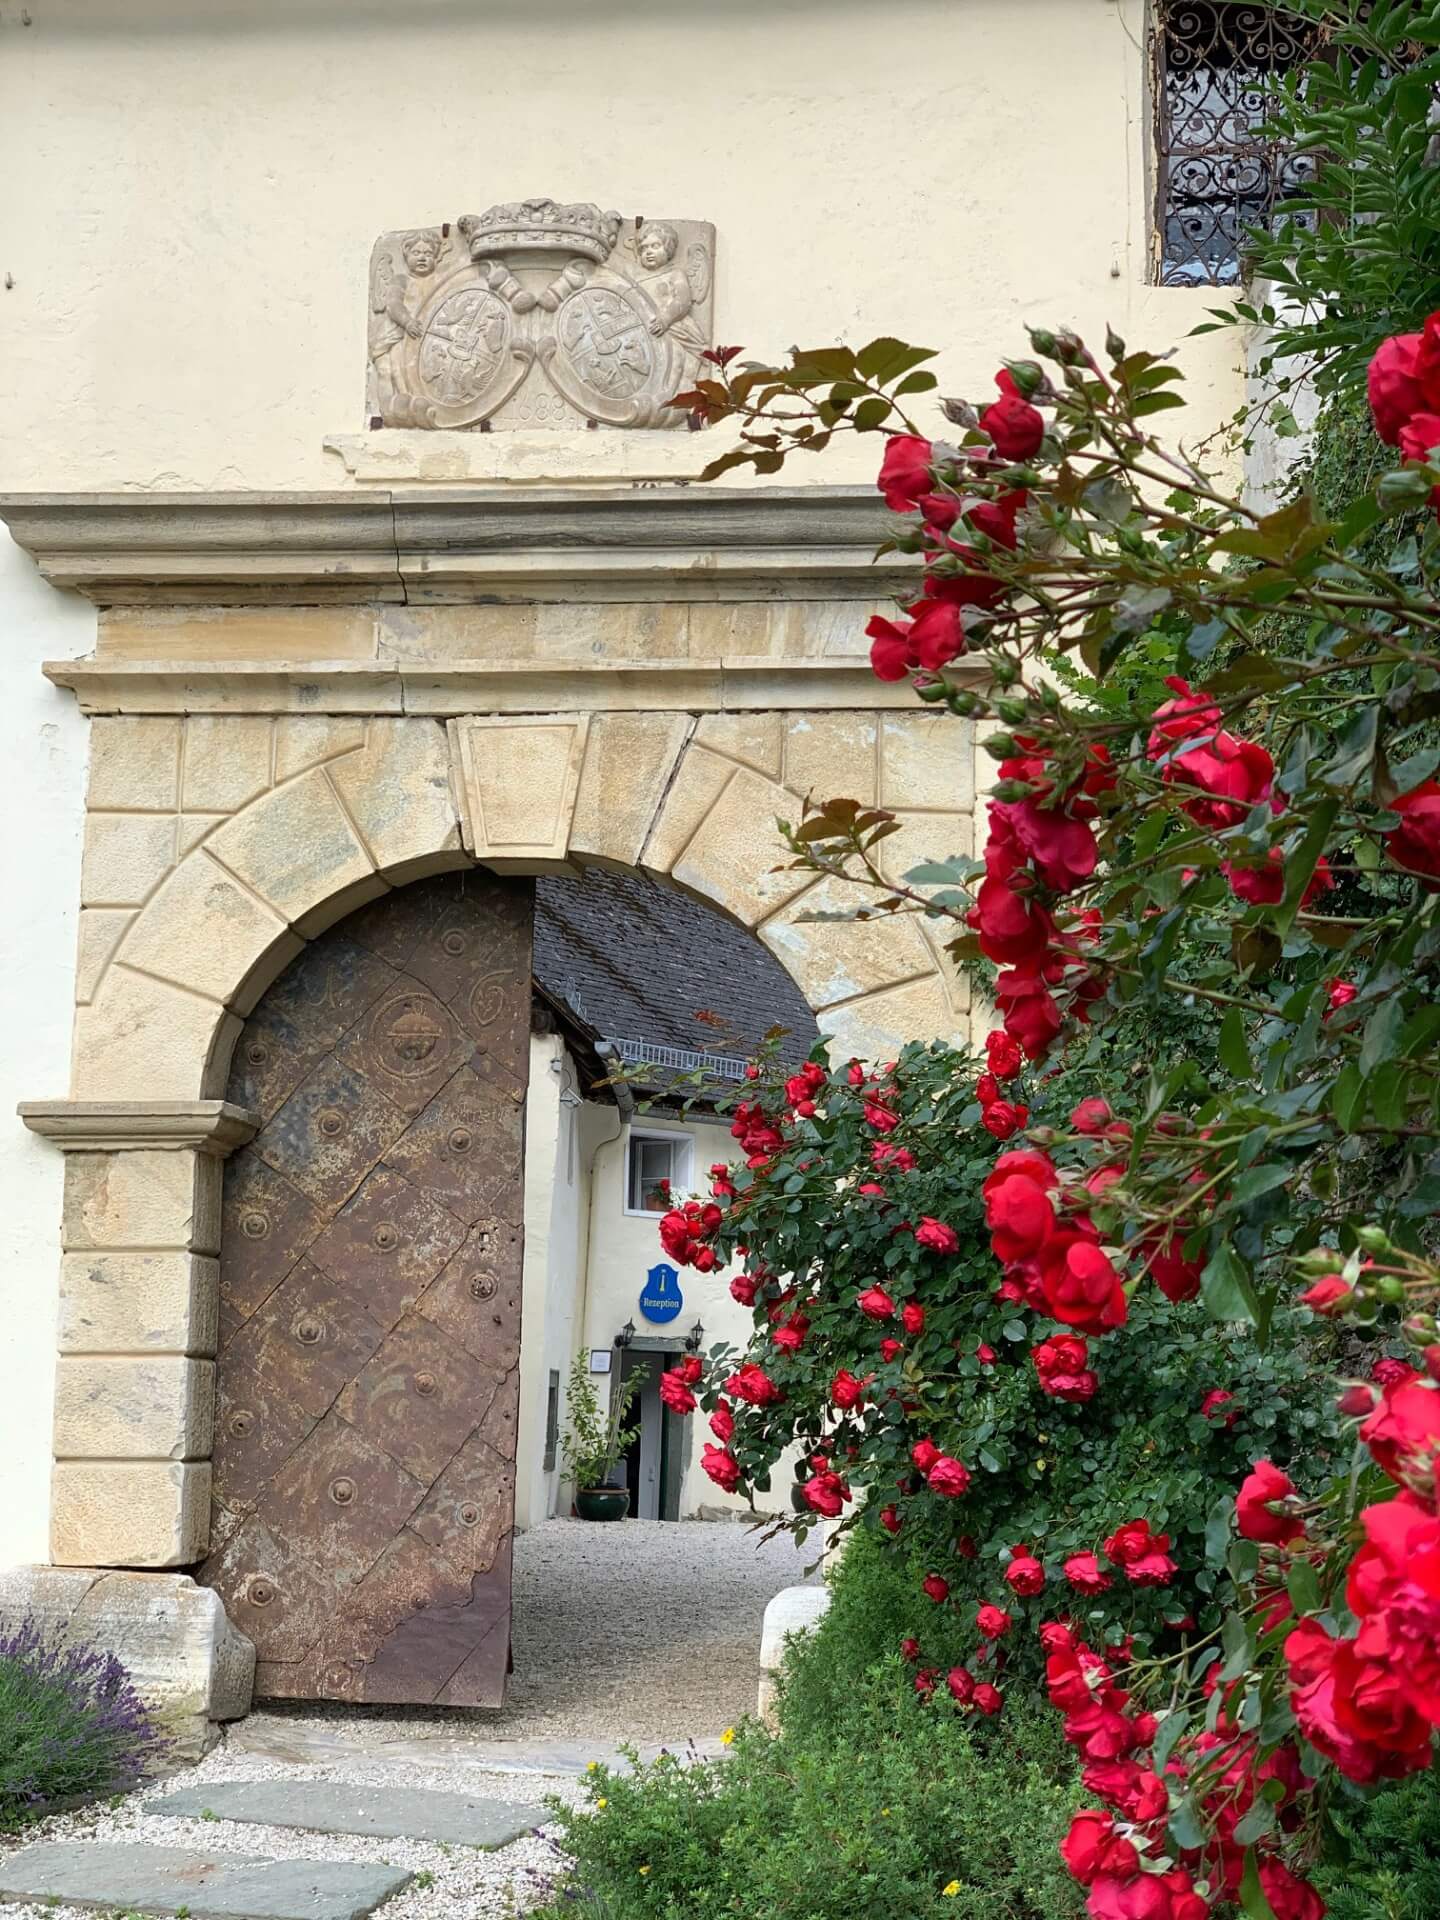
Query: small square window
x=659 y=1166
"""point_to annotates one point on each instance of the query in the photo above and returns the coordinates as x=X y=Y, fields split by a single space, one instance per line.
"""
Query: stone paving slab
x=167 y=1880
x=337 y=1806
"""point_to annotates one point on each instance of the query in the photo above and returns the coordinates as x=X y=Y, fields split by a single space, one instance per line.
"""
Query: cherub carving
x=395 y=299
x=674 y=291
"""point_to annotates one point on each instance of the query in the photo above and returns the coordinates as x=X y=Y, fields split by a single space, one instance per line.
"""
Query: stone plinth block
x=133 y=1407
x=129 y=1513
x=189 y=1665
x=793 y=1610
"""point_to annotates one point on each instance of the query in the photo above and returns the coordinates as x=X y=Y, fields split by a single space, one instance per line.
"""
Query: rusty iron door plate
x=370 y=1267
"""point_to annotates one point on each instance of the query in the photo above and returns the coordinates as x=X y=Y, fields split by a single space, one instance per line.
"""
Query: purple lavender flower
x=71 y=1725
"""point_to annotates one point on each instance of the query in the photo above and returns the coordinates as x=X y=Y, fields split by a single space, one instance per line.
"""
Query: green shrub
x=1391 y=1847
x=885 y=1807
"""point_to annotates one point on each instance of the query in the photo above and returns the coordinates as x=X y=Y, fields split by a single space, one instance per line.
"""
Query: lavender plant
x=71 y=1726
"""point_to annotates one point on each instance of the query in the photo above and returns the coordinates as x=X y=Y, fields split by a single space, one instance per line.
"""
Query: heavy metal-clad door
x=370 y=1304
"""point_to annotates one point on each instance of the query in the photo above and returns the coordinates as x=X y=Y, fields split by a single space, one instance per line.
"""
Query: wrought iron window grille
x=1217 y=174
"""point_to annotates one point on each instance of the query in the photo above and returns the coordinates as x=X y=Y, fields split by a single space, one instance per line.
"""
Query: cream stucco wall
x=202 y=184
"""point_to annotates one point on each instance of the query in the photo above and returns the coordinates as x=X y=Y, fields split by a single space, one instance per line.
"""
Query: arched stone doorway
x=304 y=702
x=367 y=1381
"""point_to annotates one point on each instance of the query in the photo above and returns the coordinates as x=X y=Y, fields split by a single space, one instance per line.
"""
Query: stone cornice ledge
x=759 y=683
x=515 y=545
x=116 y=1126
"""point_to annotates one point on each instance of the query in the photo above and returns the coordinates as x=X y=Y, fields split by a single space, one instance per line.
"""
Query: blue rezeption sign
x=660 y=1297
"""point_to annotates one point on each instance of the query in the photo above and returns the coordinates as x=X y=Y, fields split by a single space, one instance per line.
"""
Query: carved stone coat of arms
x=538 y=315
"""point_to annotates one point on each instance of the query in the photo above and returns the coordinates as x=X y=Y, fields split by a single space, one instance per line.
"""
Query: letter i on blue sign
x=660 y=1297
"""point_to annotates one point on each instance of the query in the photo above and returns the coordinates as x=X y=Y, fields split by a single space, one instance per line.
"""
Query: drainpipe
x=625 y=1108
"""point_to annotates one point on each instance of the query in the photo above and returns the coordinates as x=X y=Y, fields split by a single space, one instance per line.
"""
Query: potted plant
x=594 y=1442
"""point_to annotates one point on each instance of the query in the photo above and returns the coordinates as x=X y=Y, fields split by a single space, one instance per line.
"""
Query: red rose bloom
x=912 y=1317
x=674 y=1392
x=992 y=1622
x=948 y=1477
x=1085 y=1574
x=1029 y=1011
x=1403 y=1432
x=1024 y=1575
x=1060 y=1367
x=935 y=1235
x=905 y=471
x=753 y=1385
x=1004 y=1120
x=1214 y=1401
x=722 y=1467
x=1415 y=843
x=961 y=1683
x=1003 y=1056
x=846 y=1391
x=1091 y=1116
x=936 y=1587
x=1094 y=1845
x=744 y=1287
x=1341 y=993
x=1329 y=1294
x=1290 y=1898
x=876 y=1304
x=1394 y=385
x=987 y=1699
x=1254 y=1516
x=1143 y=1555
x=891 y=1349
x=722 y=1423
x=1014 y=426
x=890 y=1519
x=826 y=1493
x=985 y=1355
x=924 y=1453
x=1080 y=1286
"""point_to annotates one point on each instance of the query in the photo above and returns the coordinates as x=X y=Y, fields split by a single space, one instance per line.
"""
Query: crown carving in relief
x=541 y=226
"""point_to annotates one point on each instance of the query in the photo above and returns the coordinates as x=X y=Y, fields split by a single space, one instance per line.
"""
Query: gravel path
x=646 y=1631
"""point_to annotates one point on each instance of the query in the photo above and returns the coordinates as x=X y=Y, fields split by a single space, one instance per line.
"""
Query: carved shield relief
x=535 y=314
x=370 y=1274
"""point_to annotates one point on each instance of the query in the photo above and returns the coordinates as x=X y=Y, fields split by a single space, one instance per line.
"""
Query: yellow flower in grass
x=592 y=1766
x=644 y=1870
x=727 y=1739
x=949 y=1892
x=602 y=1803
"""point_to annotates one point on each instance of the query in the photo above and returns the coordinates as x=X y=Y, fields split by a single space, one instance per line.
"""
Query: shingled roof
x=637 y=962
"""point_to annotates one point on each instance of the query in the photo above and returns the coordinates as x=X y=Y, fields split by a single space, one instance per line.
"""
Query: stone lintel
x=113 y=1126
x=521 y=544
x=756 y=685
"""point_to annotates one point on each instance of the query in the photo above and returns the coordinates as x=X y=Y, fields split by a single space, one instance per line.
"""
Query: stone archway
x=301 y=702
